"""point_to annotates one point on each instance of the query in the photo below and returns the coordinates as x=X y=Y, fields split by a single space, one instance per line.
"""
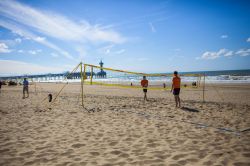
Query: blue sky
x=137 y=35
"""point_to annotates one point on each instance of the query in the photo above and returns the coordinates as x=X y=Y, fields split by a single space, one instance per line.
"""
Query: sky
x=136 y=35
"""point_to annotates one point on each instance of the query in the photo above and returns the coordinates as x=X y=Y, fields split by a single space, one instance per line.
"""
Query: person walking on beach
x=1 y=85
x=144 y=84
x=25 y=87
x=176 y=85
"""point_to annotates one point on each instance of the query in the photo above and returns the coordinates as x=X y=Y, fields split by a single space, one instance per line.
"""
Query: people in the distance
x=25 y=87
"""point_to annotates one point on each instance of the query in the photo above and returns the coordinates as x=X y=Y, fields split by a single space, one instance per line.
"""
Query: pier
x=58 y=76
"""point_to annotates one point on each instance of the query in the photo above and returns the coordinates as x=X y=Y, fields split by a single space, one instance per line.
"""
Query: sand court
x=118 y=128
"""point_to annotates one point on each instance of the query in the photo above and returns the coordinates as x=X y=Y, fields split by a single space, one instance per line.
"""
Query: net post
x=65 y=84
x=84 y=72
x=204 y=76
x=82 y=82
x=35 y=88
x=91 y=75
x=198 y=83
x=199 y=80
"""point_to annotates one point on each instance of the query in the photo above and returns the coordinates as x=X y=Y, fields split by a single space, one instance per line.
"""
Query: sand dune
x=118 y=128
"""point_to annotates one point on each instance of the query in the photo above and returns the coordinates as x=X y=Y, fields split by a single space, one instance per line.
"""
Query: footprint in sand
x=95 y=153
x=42 y=155
x=152 y=145
x=77 y=145
x=179 y=156
x=67 y=153
x=77 y=159
x=208 y=163
x=107 y=164
x=124 y=155
x=83 y=163
x=182 y=162
x=241 y=164
x=115 y=152
x=246 y=155
x=113 y=143
x=4 y=150
x=162 y=156
x=27 y=153
x=41 y=148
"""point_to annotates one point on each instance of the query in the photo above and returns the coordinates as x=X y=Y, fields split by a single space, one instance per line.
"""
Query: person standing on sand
x=144 y=84
x=176 y=86
x=0 y=85
x=25 y=87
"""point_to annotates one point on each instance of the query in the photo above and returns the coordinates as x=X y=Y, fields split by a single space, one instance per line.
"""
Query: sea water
x=224 y=76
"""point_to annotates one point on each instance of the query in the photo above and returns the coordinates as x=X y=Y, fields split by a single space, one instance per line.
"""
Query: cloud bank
x=10 y=67
x=35 y=24
x=211 y=55
x=56 y=25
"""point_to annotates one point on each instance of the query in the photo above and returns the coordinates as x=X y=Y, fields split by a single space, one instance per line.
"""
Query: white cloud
x=224 y=52
x=120 y=51
x=243 y=52
x=18 y=40
x=224 y=36
x=54 y=55
x=39 y=39
x=20 y=51
x=9 y=67
x=110 y=50
x=248 y=40
x=28 y=35
x=213 y=55
x=106 y=49
x=55 y=25
x=229 y=53
x=152 y=27
x=34 y=52
x=4 y=48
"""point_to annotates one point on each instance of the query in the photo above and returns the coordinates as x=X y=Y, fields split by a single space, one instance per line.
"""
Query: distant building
x=102 y=73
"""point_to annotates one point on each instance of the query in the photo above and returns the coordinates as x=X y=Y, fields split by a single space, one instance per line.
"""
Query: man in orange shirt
x=176 y=85
x=144 y=84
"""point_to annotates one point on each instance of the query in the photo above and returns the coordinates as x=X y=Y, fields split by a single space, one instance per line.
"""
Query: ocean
x=223 y=76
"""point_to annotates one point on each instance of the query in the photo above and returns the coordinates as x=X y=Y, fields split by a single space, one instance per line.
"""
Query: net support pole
x=91 y=75
x=203 y=94
x=199 y=80
x=81 y=83
x=35 y=88
x=84 y=72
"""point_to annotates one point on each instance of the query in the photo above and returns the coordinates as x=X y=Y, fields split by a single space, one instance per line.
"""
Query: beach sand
x=117 y=127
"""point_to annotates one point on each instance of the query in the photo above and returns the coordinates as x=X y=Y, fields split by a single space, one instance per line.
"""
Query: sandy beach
x=117 y=127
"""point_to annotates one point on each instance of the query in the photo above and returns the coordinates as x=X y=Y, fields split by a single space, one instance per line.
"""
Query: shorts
x=25 y=88
x=145 y=90
x=176 y=91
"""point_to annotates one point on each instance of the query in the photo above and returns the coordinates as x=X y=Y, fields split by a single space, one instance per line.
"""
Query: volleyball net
x=97 y=75
x=89 y=74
